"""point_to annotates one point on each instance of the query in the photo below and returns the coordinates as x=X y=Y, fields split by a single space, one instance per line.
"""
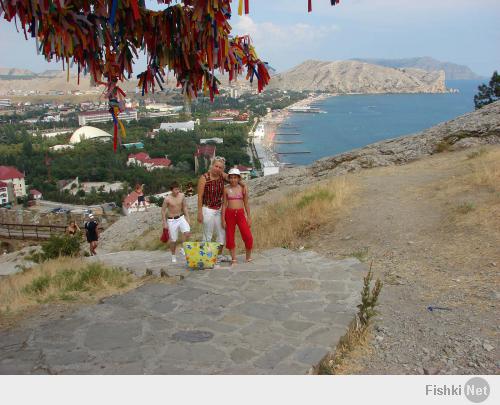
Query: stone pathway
x=278 y=315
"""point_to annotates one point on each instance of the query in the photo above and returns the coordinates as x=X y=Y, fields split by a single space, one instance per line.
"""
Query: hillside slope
x=358 y=77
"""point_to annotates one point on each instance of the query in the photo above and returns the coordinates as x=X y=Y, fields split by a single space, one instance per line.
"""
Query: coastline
x=275 y=119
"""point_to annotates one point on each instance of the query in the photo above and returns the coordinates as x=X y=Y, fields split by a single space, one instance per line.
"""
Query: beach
x=273 y=122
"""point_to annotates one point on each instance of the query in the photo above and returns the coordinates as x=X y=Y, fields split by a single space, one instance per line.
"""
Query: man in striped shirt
x=210 y=196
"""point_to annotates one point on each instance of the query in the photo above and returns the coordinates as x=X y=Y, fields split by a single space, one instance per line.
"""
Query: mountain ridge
x=358 y=77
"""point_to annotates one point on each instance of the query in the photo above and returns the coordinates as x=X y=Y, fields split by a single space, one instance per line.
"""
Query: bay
x=353 y=121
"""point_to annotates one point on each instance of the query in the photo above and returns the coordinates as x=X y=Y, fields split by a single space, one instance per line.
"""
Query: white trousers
x=212 y=220
x=174 y=225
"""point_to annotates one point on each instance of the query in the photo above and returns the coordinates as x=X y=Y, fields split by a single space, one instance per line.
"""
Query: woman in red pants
x=233 y=213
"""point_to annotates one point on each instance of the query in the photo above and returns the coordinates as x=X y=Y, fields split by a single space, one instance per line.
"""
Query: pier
x=287 y=133
x=293 y=153
x=287 y=142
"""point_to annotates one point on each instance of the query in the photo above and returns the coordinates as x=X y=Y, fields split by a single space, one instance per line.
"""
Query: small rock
x=493 y=264
x=425 y=350
x=379 y=338
x=487 y=347
x=410 y=242
x=346 y=237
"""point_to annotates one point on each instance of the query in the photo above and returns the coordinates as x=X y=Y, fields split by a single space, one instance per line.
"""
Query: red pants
x=237 y=217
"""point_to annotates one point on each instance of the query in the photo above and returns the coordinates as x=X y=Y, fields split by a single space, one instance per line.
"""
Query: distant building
x=10 y=175
x=88 y=117
x=203 y=157
x=142 y=159
x=52 y=118
x=161 y=107
x=211 y=140
x=89 y=133
x=5 y=103
x=176 y=126
x=137 y=145
x=227 y=120
x=58 y=148
x=35 y=194
x=53 y=134
x=259 y=132
x=6 y=193
x=98 y=186
x=131 y=204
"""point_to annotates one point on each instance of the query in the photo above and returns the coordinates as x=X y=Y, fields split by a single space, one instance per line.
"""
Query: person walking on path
x=139 y=189
x=175 y=217
x=234 y=207
x=92 y=233
x=210 y=196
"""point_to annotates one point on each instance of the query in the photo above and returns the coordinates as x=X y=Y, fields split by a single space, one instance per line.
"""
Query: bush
x=56 y=246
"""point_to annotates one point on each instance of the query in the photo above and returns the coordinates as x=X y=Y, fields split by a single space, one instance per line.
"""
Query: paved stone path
x=278 y=315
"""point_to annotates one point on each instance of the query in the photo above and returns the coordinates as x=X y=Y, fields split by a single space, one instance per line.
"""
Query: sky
x=466 y=32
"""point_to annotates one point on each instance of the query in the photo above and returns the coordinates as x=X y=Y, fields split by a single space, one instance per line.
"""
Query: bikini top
x=238 y=196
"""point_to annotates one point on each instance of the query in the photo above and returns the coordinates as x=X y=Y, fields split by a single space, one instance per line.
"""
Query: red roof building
x=10 y=173
x=142 y=159
x=35 y=194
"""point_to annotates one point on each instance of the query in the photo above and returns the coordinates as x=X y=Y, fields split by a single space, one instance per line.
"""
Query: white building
x=52 y=134
x=165 y=108
x=58 y=148
x=131 y=204
x=5 y=103
x=259 y=132
x=5 y=192
x=10 y=175
x=176 y=126
x=211 y=140
x=88 y=117
x=86 y=133
x=98 y=186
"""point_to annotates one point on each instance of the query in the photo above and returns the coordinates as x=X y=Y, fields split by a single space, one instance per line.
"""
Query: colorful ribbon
x=103 y=37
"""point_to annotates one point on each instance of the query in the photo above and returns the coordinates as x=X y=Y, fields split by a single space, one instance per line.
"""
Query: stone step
x=280 y=314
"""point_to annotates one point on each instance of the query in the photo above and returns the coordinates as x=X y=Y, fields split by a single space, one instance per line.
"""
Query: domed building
x=87 y=132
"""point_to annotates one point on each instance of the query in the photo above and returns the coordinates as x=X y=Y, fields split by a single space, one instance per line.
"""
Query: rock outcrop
x=479 y=127
x=358 y=77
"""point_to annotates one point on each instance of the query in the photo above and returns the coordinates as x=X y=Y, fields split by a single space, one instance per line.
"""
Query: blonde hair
x=219 y=159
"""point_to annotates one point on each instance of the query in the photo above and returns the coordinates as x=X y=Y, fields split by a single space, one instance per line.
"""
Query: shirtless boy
x=176 y=218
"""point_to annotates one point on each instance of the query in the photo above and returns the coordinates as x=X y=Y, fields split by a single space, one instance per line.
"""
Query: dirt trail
x=434 y=242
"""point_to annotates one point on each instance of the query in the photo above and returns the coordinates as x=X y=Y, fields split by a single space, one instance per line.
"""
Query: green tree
x=488 y=93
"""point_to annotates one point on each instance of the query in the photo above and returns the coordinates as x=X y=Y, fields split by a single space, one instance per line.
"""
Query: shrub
x=65 y=245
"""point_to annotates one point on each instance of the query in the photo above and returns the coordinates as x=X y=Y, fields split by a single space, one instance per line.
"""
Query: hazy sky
x=460 y=31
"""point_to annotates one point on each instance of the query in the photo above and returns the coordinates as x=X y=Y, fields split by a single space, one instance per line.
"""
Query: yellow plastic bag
x=201 y=255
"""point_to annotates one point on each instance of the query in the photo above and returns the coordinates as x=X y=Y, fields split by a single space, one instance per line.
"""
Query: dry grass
x=474 y=194
x=356 y=342
x=59 y=280
x=291 y=220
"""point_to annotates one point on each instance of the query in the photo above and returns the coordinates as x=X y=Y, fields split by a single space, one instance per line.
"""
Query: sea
x=353 y=121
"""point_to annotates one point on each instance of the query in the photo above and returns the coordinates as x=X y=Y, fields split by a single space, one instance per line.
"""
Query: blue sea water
x=357 y=120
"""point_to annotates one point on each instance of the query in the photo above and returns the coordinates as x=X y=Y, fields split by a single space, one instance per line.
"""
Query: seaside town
x=242 y=124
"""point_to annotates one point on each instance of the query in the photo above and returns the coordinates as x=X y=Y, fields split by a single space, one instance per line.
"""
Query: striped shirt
x=214 y=191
